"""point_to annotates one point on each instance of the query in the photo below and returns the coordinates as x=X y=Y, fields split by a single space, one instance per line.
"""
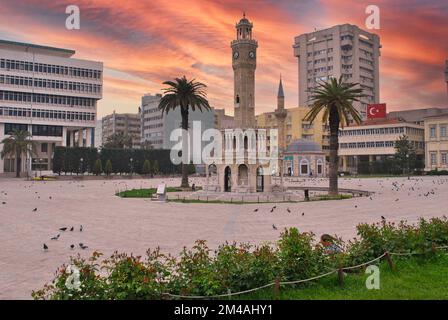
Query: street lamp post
x=81 y=165
x=132 y=165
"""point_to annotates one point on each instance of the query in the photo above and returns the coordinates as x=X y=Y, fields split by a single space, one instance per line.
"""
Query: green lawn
x=415 y=278
x=144 y=193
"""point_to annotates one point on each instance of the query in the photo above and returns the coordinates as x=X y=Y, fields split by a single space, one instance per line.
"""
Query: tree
x=118 y=140
x=146 y=167
x=184 y=94
x=16 y=145
x=108 y=169
x=405 y=154
x=335 y=99
x=98 y=167
x=155 y=167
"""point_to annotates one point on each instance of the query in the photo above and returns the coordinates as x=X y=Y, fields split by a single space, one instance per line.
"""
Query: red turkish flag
x=376 y=111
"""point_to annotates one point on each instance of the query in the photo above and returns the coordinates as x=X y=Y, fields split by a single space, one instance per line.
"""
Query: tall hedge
x=67 y=160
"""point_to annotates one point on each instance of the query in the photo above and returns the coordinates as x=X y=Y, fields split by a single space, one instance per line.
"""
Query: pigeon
x=272 y=210
x=63 y=229
x=274 y=227
x=303 y=213
x=82 y=246
x=356 y=206
x=287 y=209
x=3 y=202
x=49 y=197
x=383 y=218
x=56 y=237
x=71 y=229
x=80 y=228
x=45 y=247
x=35 y=209
x=72 y=246
x=396 y=200
x=256 y=210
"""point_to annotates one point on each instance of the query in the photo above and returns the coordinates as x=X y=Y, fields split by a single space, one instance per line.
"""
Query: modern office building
x=436 y=142
x=156 y=127
x=124 y=123
x=374 y=140
x=172 y=120
x=52 y=95
x=343 y=50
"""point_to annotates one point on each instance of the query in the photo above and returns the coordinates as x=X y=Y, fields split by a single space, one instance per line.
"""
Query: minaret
x=280 y=114
x=244 y=63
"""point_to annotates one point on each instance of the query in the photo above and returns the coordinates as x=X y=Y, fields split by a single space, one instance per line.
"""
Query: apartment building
x=125 y=123
x=343 y=50
x=295 y=127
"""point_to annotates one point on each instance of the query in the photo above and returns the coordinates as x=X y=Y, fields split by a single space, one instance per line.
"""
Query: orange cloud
x=143 y=43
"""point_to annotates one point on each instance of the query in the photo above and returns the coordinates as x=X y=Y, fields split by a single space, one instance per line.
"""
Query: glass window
x=432 y=132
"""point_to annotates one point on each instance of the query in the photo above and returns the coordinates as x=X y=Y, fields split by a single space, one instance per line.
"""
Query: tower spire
x=280 y=93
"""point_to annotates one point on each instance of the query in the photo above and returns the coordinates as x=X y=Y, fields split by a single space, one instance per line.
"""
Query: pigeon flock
x=412 y=186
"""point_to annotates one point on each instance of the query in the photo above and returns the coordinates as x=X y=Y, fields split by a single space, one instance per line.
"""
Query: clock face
x=236 y=54
x=251 y=54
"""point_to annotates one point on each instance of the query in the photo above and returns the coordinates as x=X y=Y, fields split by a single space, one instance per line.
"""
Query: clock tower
x=244 y=62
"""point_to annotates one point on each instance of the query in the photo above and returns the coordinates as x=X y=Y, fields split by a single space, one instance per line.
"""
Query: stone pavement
x=134 y=225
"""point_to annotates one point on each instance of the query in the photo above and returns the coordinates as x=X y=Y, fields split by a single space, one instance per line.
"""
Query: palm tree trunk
x=334 y=146
x=185 y=142
x=18 y=164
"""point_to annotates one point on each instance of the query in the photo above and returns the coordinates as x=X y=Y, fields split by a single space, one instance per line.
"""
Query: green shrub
x=437 y=173
x=237 y=267
x=98 y=167
x=146 y=167
x=299 y=257
x=155 y=167
x=108 y=169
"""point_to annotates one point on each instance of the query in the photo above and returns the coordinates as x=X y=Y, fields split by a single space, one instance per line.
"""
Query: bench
x=160 y=194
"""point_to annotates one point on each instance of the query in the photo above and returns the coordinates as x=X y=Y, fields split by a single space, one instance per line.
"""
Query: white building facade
x=151 y=121
x=375 y=140
x=51 y=95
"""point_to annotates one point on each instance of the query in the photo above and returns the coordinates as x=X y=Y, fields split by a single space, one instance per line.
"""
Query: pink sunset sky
x=145 y=42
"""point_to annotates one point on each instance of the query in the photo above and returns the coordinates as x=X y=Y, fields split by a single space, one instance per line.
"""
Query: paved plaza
x=133 y=225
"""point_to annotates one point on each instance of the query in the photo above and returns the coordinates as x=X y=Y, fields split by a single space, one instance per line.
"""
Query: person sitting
x=328 y=242
x=193 y=187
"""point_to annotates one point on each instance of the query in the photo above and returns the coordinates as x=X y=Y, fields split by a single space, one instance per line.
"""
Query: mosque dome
x=303 y=145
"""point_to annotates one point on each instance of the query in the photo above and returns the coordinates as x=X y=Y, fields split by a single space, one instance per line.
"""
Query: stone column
x=80 y=138
x=64 y=137
x=344 y=163
x=89 y=138
x=73 y=138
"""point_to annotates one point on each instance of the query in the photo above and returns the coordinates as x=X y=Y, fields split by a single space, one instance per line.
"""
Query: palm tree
x=184 y=94
x=17 y=144
x=335 y=99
